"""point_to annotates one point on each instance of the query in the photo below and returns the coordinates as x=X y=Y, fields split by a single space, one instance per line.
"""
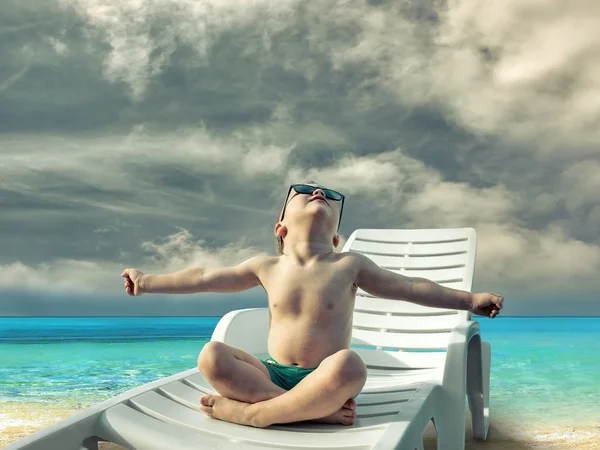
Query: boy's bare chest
x=302 y=290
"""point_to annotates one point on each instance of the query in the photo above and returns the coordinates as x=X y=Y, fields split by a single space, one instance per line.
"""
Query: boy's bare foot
x=223 y=408
x=346 y=415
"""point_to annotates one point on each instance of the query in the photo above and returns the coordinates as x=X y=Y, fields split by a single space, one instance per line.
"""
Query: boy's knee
x=348 y=369
x=212 y=360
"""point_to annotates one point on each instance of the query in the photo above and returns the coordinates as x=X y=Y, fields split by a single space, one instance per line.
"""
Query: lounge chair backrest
x=446 y=256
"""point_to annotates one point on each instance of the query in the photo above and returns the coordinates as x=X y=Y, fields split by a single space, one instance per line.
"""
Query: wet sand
x=17 y=421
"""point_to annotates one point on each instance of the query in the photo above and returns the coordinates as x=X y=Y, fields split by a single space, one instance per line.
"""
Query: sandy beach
x=17 y=421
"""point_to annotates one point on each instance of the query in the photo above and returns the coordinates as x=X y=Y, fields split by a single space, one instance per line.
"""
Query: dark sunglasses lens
x=332 y=195
x=304 y=189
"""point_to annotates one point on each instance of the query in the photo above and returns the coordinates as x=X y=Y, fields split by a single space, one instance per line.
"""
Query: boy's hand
x=486 y=304
x=132 y=281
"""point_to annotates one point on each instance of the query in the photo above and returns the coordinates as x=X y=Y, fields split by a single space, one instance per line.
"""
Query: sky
x=162 y=135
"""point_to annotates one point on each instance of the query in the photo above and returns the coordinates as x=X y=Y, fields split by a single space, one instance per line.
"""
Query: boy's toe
x=207 y=400
x=206 y=404
x=350 y=404
x=348 y=420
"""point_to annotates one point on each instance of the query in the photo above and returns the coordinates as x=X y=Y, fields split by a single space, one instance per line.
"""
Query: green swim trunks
x=285 y=377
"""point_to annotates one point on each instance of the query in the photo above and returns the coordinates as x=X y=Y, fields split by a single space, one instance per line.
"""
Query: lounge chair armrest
x=467 y=372
x=246 y=329
x=461 y=343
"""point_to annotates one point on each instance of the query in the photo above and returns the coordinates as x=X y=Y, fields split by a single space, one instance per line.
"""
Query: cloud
x=536 y=260
x=252 y=150
x=538 y=80
x=581 y=184
x=59 y=46
x=524 y=75
x=126 y=174
x=382 y=177
x=176 y=252
x=140 y=50
x=446 y=203
x=179 y=251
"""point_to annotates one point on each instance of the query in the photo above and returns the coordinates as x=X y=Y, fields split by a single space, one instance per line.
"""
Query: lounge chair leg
x=90 y=443
x=478 y=378
x=450 y=436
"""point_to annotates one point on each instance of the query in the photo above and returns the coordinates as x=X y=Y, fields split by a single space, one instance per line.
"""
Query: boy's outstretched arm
x=197 y=279
x=384 y=283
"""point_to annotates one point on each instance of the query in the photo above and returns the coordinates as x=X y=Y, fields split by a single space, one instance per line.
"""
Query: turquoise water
x=543 y=368
x=81 y=361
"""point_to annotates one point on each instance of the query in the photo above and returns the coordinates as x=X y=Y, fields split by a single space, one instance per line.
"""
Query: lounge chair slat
x=401 y=359
x=375 y=383
x=379 y=410
x=183 y=393
x=411 y=249
x=199 y=382
x=424 y=235
x=136 y=430
x=169 y=411
x=398 y=307
x=445 y=276
x=377 y=398
x=455 y=261
x=405 y=341
x=403 y=374
x=405 y=323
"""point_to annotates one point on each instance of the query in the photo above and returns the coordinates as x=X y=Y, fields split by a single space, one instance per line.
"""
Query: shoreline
x=18 y=420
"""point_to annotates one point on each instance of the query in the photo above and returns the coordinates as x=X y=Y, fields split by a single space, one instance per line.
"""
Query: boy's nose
x=319 y=191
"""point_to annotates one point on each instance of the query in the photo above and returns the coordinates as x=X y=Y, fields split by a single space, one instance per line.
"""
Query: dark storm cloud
x=161 y=135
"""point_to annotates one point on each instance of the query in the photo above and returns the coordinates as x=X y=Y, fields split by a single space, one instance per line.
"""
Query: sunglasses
x=307 y=189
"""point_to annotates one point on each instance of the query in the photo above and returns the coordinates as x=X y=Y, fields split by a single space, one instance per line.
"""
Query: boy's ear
x=280 y=230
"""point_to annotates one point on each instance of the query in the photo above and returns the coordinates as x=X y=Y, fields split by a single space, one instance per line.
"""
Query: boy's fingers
x=498 y=300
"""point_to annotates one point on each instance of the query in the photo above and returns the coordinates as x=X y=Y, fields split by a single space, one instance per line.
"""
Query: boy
x=312 y=374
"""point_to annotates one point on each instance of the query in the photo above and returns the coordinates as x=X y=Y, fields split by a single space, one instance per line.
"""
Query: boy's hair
x=279 y=240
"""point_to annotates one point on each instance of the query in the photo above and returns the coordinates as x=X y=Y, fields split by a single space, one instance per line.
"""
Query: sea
x=544 y=369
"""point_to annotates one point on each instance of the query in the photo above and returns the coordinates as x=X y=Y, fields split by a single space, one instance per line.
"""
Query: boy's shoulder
x=259 y=262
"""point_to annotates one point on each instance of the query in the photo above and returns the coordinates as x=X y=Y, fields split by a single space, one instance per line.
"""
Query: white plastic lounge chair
x=422 y=365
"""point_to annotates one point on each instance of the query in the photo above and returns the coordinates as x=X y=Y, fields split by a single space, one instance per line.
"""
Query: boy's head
x=306 y=202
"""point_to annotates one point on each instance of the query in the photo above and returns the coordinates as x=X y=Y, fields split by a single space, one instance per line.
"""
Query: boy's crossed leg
x=250 y=398
x=235 y=374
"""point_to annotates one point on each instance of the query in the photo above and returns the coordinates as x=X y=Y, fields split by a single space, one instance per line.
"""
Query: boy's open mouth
x=317 y=198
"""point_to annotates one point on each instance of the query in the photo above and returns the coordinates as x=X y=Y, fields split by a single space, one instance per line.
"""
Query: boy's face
x=316 y=203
